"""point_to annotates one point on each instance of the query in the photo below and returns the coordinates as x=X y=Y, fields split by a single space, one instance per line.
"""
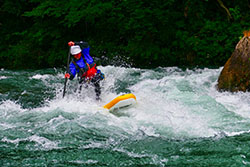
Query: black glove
x=82 y=44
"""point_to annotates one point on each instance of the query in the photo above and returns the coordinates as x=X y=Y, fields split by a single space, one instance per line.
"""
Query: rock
x=235 y=75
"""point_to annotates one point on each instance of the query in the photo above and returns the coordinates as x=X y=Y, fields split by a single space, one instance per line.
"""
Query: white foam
x=44 y=142
x=170 y=103
x=68 y=104
x=39 y=76
x=9 y=107
x=5 y=126
x=236 y=133
x=3 y=77
x=85 y=162
x=40 y=141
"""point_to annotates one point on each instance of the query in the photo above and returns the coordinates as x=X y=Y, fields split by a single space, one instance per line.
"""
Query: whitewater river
x=180 y=119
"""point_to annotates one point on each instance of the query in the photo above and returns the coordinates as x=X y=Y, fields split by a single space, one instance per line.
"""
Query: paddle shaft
x=66 y=79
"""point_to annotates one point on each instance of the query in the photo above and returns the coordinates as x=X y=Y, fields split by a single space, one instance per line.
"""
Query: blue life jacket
x=72 y=68
x=86 y=55
x=81 y=63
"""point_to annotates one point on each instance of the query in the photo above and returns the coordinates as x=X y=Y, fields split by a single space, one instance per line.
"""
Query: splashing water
x=180 y=120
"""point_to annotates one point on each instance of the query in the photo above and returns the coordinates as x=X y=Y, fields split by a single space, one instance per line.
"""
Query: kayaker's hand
x=67 y=75
x=71 y=43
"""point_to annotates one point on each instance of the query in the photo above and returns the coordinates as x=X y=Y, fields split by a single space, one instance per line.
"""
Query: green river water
x=180 y=119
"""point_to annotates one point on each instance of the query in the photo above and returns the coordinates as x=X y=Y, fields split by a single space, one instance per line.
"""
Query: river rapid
x=180 y=119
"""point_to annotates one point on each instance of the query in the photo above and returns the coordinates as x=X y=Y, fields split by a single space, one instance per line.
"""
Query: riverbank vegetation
x=147 y=34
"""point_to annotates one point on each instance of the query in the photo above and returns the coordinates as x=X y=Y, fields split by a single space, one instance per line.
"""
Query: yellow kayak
x=121 y=102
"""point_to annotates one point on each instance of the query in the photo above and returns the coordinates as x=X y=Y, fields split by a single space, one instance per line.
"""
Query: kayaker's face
x=77 y=56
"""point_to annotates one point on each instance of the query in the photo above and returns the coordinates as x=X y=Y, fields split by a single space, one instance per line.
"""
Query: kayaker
x=84 y=66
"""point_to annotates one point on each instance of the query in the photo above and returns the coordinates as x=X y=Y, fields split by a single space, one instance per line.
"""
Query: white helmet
x=75 y=50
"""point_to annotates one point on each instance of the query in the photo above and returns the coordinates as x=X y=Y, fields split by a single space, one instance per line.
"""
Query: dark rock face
x=235 y=75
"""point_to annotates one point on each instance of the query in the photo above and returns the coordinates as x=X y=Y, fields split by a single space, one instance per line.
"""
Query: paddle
x=66 y=79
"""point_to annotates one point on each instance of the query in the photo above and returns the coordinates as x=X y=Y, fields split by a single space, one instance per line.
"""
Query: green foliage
x=34 y=34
